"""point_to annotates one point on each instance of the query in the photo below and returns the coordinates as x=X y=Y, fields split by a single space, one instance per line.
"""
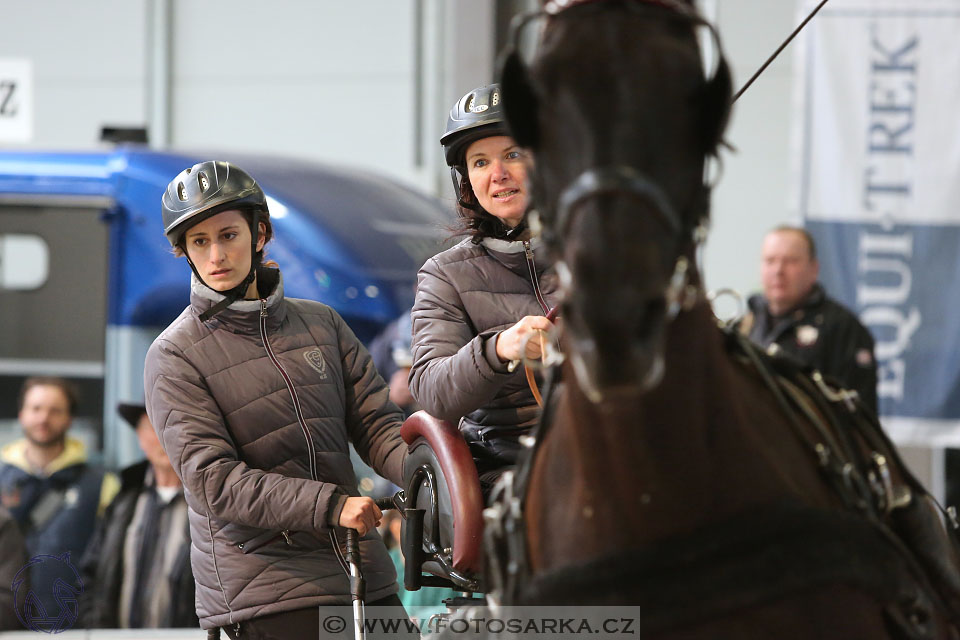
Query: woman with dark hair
x=481 y=304
x=256 y=398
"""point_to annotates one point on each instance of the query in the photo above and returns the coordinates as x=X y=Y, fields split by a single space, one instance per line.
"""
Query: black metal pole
x=777 y=52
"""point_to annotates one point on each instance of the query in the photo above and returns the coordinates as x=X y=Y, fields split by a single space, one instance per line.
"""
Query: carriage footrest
x=457 y=602
x=428 y=580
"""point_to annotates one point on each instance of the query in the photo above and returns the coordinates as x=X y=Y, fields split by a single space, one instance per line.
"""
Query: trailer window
x=24 y=261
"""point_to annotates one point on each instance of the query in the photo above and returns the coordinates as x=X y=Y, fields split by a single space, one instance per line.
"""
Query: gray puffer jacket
x=255 y=409
x=466 y=296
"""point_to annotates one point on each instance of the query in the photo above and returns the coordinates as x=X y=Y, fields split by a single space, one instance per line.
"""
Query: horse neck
x=656 y=441
x=694 y=357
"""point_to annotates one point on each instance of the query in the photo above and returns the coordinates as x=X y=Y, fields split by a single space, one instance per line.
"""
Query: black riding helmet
x=478 y=114
x=204 y=190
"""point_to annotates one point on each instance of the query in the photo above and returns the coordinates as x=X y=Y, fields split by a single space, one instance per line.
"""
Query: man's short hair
x=811 y=245
x=50 y=381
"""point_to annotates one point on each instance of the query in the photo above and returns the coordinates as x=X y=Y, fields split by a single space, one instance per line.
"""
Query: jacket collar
x=813 y=299
x=243 y=316
x=511 y=254
x=74 y=452
x=511 y=246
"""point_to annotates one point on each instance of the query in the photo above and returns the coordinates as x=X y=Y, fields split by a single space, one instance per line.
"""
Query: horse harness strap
x=831 y=457
x=615 y=179
x=553 y=7
x=760 y=557
x=836 y=452
x=904 y=514
x=505 y=542
x=871 y=501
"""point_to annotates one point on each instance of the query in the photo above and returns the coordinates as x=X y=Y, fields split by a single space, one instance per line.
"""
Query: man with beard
x=47 y=484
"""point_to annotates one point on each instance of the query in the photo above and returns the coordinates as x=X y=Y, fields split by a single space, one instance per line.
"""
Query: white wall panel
x=335 y=81
x=88 y=65
x=320 y=79
x=752 y=195
x=325 y=80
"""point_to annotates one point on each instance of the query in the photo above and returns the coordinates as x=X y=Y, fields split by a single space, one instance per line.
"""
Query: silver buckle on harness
x=952 y=516
x=889 y=497
x=501 y=522
x=847 y=396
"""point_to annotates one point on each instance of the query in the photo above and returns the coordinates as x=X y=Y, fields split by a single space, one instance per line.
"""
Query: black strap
x=506 y=544
x=760 y=557
x=230 y=297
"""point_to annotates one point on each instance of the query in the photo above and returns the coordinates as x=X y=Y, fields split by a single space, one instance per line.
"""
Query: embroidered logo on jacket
x=315 y=359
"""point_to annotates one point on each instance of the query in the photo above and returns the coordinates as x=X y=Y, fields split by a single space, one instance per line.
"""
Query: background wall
x=752 y=195
x=362 y=83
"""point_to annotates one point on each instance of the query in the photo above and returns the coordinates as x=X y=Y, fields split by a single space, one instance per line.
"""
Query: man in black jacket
x=795 y=316
x=13 y=556
x=137 y=567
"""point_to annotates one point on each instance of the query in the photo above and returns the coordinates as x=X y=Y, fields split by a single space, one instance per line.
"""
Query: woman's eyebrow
x=229 y=227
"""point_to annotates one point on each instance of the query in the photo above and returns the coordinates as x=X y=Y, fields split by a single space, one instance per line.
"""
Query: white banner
x=16 y=100
x=877 y=183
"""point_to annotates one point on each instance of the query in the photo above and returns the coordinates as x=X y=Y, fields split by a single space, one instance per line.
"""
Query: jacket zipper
x=283 y=535
x=531 y=267
x=311 y=451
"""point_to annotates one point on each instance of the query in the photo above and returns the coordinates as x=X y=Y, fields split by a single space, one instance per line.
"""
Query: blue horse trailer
x=87 y=279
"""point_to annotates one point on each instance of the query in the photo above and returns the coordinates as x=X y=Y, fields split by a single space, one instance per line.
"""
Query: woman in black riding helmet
x=256 y=398
x=483 y=302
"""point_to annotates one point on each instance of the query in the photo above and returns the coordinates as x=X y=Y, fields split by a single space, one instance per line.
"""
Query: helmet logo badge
x=479 y=107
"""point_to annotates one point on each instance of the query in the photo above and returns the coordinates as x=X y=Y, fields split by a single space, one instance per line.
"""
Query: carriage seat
x=441 y=477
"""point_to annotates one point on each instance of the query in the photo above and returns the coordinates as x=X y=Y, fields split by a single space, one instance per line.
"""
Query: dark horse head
x=620 y=120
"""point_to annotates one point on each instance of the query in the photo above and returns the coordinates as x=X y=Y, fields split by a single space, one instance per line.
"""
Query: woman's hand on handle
x=526 y=333
x=361 y=514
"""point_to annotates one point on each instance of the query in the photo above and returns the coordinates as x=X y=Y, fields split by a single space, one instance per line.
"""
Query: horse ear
x=519 y=101
x=717 y=104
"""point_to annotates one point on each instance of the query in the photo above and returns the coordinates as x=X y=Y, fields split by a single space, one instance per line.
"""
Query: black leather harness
x=888 y=542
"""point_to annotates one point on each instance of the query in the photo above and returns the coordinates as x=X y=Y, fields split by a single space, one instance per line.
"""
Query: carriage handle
x=358 y=585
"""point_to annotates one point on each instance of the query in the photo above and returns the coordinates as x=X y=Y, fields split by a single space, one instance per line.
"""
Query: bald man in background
x=794 y=316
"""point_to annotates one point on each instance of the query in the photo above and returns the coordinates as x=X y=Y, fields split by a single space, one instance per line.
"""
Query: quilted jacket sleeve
x=372 y=420
x=194 y=436
x=454 y=370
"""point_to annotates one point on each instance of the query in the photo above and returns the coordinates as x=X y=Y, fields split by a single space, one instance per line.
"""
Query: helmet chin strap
x=239 y=291
x=513 y=232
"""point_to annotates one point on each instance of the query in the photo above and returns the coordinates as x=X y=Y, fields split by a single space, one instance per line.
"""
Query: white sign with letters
x=878 y=155
x=16 y=100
